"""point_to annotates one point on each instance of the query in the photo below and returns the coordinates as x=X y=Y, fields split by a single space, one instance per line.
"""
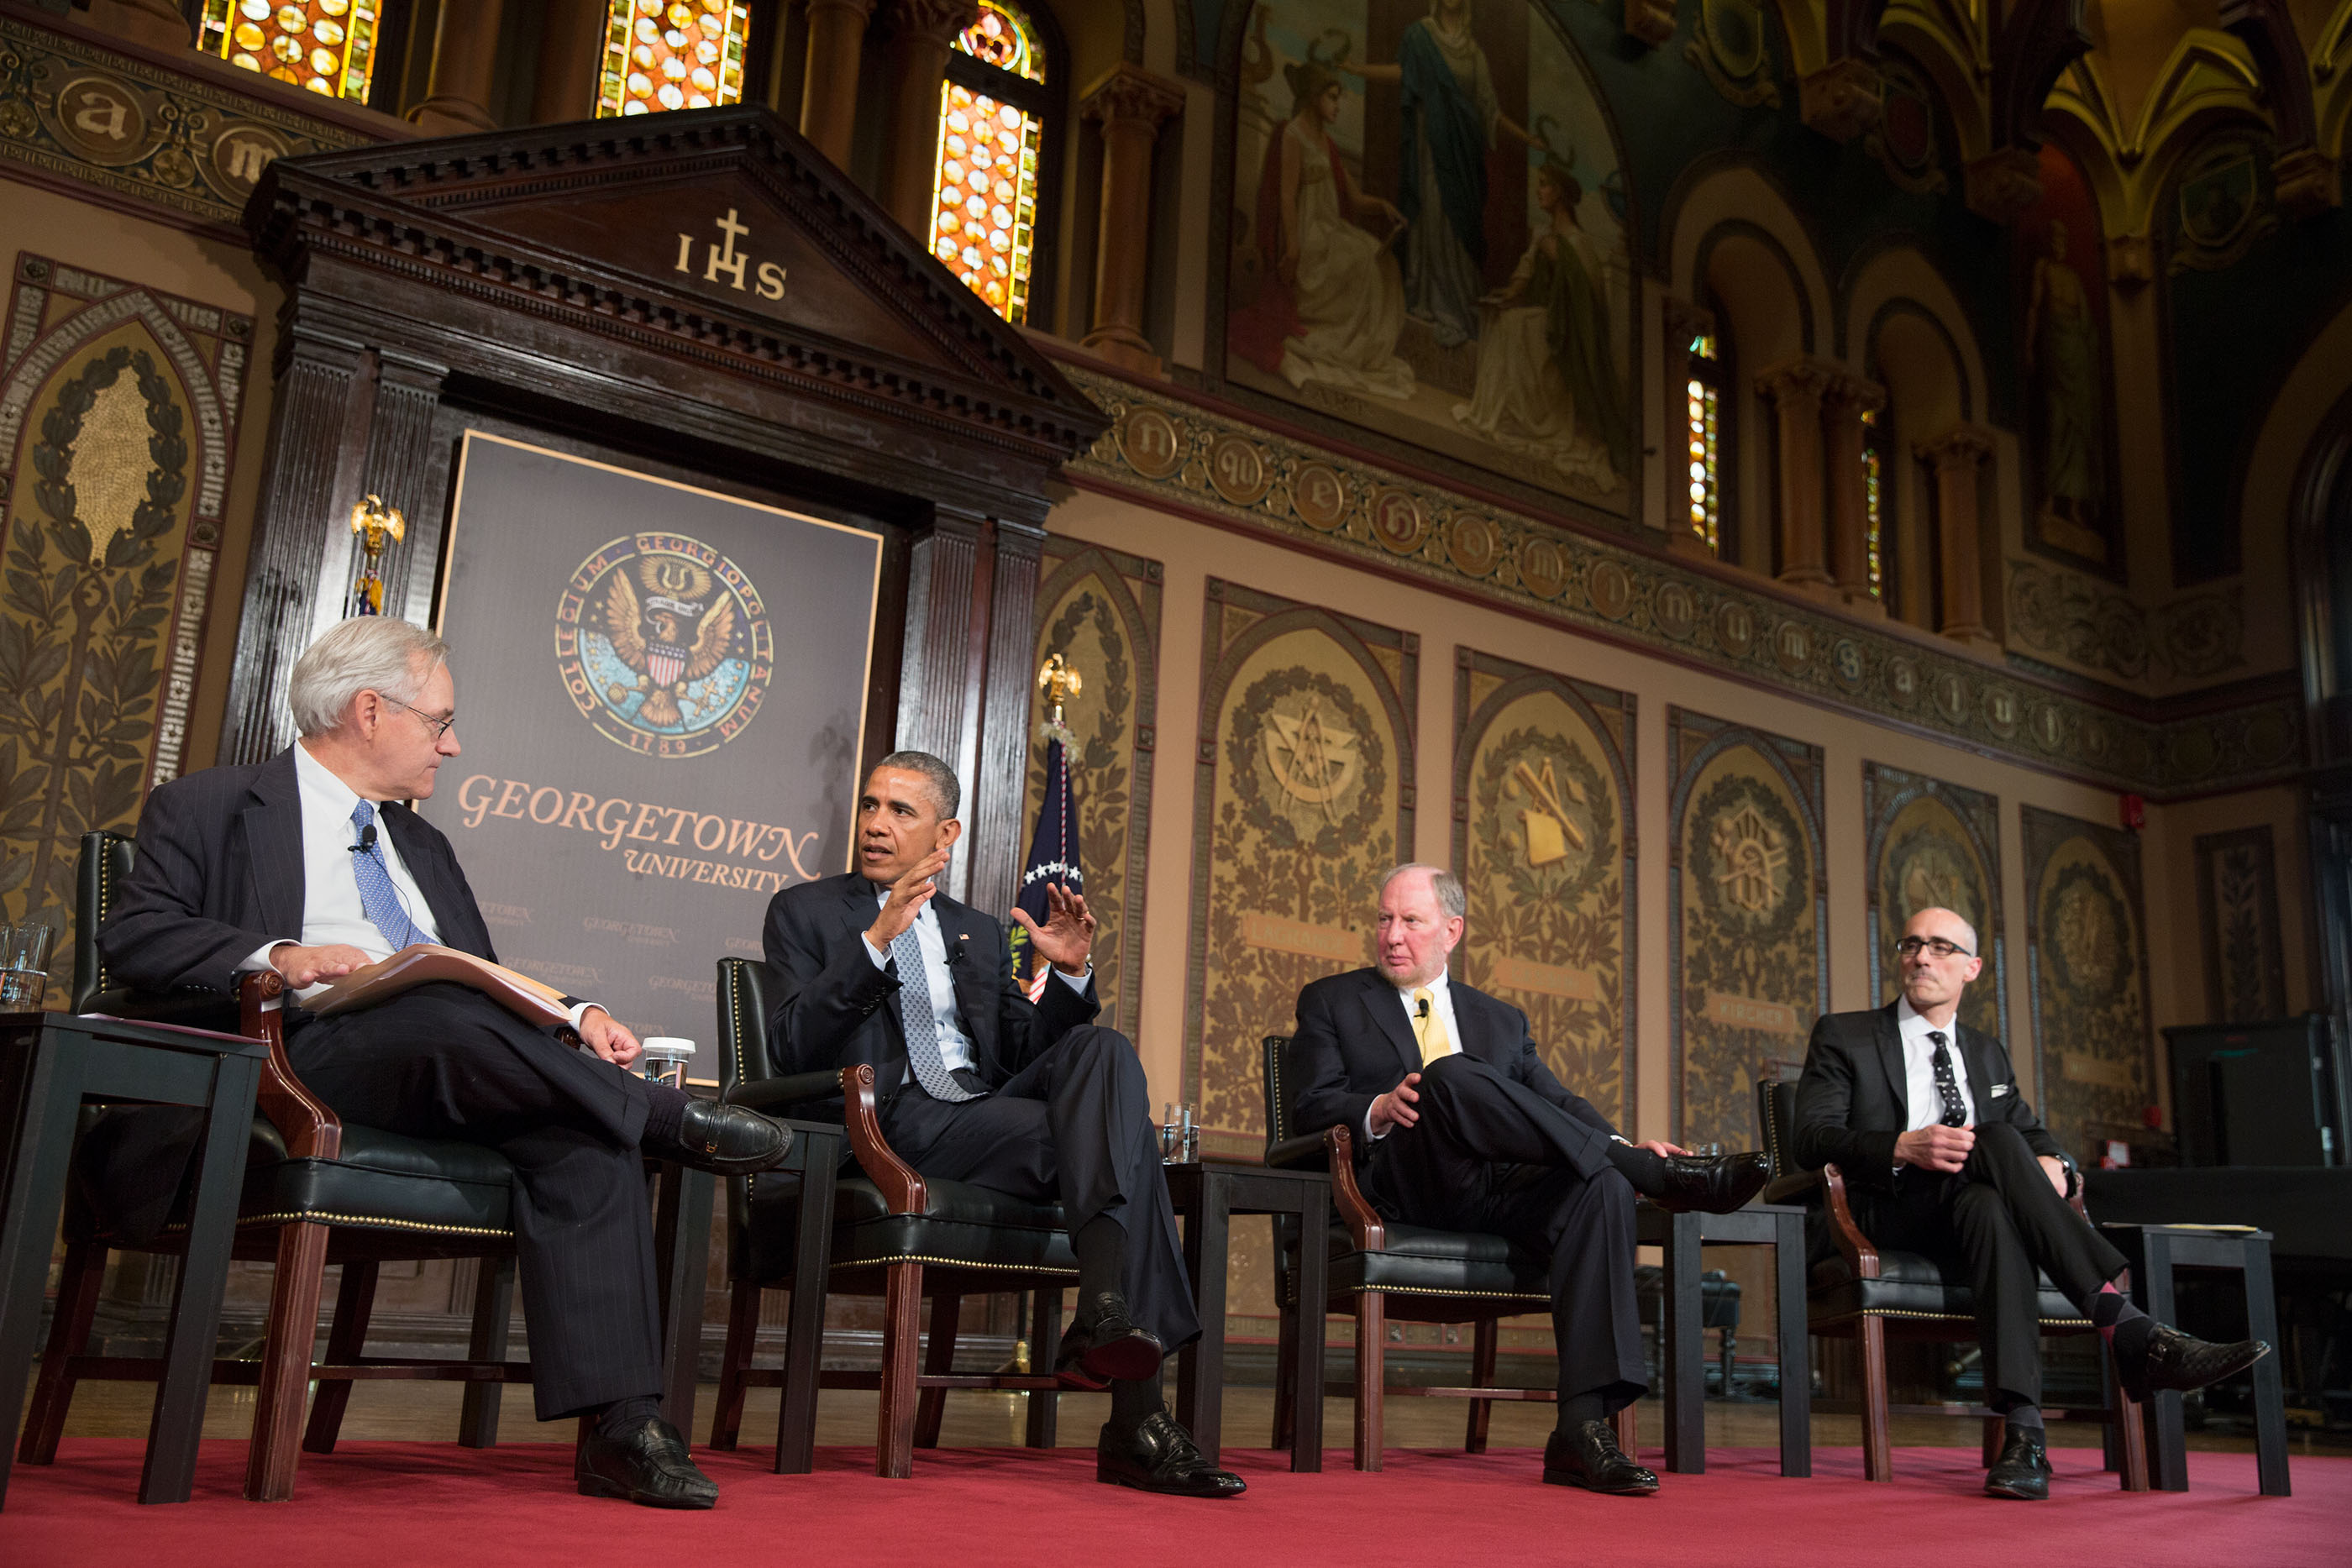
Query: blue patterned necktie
x=377 y=896
x=922 y=1025
x=1947 y=1087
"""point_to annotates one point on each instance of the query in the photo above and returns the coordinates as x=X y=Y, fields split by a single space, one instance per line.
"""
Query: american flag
x=1052 y=858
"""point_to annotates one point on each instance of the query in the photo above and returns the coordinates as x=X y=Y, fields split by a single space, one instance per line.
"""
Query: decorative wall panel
x=1099 y=609
x=1543 y=841
x=2086 y=949
x=2238 y=916
x=1305 y=796
x=1931 y=844
x=1748 y=971
x=119 y=411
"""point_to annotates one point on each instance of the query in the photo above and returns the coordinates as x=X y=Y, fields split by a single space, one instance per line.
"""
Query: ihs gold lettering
x=724 y=261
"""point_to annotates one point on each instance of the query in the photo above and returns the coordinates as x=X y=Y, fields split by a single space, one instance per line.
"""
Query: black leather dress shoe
x=2174 y=1360
x=1158 y=1455
x=1588 y=1456
x=1103 y=1344
x=1712 y=1186
x=725 y=1140
x=647 y=1463
x=2023 y=1471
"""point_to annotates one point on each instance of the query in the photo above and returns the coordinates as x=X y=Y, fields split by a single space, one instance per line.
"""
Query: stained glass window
x=1704 y=416
x=677 y=56
x=984 y=201
x=1873 y=500
x=326 y=46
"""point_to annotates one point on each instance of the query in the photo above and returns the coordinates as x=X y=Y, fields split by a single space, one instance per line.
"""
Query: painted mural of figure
x=1548 y=381
x=1332 y=304
x=1451 y=117
x=2062 y=347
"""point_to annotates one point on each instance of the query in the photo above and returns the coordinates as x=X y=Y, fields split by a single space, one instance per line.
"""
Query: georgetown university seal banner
x=640 y=770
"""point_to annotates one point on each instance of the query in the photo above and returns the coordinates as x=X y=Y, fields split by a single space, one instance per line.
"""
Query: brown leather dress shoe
x=725 y=1140
x=1102 y=1344
x=1715 y=1185
x=2174 y=1360
x=647 y=1464
x=1588 y=1457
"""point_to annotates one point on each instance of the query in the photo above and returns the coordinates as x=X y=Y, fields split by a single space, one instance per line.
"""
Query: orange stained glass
x=1705 y=494
x=1874 y=500
x=1000 y=37
x=326 y=46
x=984 y=209
x=657 y=56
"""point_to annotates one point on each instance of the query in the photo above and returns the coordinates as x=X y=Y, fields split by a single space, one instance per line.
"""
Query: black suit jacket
x=1852 y=1100
x=219 y=873
x=1355 y=1044
x=832 y=1009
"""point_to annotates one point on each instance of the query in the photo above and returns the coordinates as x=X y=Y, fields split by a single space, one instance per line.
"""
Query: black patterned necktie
x=1955 y=1114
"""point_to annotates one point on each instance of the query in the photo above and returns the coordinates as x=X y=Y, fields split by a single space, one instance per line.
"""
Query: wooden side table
x=2154 y=1251
x=49 y=1063
x=1780 y=1226
x=1208 y=1193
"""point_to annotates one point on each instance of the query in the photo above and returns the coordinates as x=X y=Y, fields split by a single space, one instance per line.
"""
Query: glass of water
x=665 y=1059
x=1180 y=1136
x=24 y=964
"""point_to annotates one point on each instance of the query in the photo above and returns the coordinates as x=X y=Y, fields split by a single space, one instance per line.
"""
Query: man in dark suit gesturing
x=976 y=1084
x=309 y=864
x=1463 y=1127
x=1941 y=1154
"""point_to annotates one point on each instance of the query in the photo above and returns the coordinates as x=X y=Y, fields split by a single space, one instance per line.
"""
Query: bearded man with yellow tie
x=1464 y=1128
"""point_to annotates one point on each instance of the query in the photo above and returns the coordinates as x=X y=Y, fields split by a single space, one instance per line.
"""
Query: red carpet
x=433 y=1504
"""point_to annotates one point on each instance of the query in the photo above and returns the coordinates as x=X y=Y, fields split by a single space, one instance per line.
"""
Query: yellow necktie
x=1429 y=1027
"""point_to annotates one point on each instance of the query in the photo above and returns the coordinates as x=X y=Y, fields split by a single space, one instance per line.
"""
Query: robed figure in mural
x=1330 y=304
x=1548 y=381
x=2062 y=347
x=1451 y=117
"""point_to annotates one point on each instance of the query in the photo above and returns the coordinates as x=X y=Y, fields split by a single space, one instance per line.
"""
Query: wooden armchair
x=1864 y=1293
x=318 y=1190
x=1382 y=1269
x=896 y=1234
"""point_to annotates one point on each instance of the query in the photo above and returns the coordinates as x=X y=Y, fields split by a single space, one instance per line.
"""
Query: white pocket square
x=1999 y=1089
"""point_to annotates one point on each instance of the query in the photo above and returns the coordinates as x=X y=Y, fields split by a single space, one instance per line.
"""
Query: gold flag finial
x=376 y=525
x=1060 y=684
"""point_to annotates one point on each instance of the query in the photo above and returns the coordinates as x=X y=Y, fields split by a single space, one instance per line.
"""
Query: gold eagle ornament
x=650 y=635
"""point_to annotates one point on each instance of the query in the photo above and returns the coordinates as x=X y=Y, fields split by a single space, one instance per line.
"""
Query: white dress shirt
x=955 y=1046
x=1927 y=1106
x=1441 y=1009
x=331 y=911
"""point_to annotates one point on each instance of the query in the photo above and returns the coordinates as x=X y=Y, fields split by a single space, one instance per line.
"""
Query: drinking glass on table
x=665 y=1059
x=24 y=964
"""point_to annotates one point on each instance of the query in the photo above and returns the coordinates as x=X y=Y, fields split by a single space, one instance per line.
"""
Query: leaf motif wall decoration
x=2238 y=912
x=1933 y=843
x=1748 y=971
x=117 y=413
x=1544 y=842
x=2086 y=949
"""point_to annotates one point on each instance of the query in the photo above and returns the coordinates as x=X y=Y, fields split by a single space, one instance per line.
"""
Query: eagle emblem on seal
x=663 y=644
x=675 y=633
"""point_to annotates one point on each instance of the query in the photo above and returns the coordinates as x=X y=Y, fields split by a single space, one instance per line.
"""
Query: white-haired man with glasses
x=1942 y=1155
x=311 y=864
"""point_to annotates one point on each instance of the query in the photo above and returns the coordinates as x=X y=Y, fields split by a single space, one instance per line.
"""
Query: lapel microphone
x=1420 y=1009
x=367 y=840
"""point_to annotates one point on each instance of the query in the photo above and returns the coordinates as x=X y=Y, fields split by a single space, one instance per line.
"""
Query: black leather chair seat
x=1914 y=1285
x=960 y=1224
x=382 y=1179
x=1453 y=1265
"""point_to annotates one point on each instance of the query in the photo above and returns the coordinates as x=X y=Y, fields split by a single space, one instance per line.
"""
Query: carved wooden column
x=1796 y=387
x=1130 y=103
x=409 y=469
x=923 y=31
x=837 y=42
x=998 y=785
x=465 y=61
x=571 y=51
x=1848 y=398
x=1959 y=456
x=1681 y=322
x=936 y=671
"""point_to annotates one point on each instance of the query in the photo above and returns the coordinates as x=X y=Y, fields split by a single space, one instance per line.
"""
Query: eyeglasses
x=1912 y=946
x=439 y=726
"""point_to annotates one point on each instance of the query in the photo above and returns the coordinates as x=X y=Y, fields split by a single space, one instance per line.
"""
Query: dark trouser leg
x=2006 y=1283
x=1586 y=1225
x=442 y=1062
x=1073 y=1126
x=2078 y=1259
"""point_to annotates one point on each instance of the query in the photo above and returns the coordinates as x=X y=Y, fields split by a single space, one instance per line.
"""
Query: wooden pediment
x=719 y=237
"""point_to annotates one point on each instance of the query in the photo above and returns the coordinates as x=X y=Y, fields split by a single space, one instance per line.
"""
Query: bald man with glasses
x=1941 y=1154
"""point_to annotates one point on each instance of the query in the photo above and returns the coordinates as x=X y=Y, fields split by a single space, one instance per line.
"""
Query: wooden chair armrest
x=1363 y=1221
x=792 y=1089
x=312 y=1131
x=901 y=1183
x=1860 y=1255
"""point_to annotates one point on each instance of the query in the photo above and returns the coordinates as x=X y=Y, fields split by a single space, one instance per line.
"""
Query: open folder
x=424 y=963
